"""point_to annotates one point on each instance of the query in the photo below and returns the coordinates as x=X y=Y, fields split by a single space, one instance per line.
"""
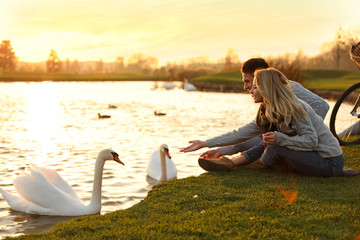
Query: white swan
x=188 y=86
x=43 y=191
x=161 y=167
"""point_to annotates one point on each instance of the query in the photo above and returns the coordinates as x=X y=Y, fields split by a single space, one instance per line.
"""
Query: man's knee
x=273 y=148
x=271 y=155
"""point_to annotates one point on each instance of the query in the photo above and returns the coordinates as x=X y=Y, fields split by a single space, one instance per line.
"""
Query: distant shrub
x=290 y=65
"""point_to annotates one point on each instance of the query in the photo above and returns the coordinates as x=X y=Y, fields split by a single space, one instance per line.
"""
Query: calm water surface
x=56 y=125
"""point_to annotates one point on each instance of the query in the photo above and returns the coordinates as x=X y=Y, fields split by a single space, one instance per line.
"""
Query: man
x=248 y=68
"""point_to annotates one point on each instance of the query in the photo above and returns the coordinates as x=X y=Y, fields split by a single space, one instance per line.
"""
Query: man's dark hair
x=253 y=64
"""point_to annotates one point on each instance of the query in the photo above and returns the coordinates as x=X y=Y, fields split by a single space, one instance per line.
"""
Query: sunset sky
x=171 y=30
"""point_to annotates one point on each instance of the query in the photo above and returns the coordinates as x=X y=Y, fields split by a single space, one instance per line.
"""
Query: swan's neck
x=95 y=202
x=163 y=177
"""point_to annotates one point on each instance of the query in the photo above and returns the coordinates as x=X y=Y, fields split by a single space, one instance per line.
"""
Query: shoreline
x=200 y=85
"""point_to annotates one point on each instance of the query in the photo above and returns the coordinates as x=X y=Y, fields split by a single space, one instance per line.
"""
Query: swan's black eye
x=115 y=154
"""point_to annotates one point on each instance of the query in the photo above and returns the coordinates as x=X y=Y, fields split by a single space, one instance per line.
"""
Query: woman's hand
x=211 y=154
x=269 y=138
x=195 y=145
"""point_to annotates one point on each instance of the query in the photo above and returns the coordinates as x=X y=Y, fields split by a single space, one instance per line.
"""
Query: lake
x=56 y=124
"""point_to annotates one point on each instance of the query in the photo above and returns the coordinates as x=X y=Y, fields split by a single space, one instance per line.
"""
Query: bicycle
x=345 y=116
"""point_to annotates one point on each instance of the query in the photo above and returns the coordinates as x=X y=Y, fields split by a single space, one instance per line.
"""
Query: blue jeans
x=306 y=163
x=241 y=147
x=254 y=153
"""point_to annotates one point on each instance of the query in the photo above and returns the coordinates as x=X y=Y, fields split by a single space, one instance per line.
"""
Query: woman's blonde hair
x=279 y=99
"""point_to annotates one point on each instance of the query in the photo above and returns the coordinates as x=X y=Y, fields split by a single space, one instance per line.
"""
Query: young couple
x=288 y=127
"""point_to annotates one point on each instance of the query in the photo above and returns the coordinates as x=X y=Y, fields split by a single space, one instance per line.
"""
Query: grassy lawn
x=330 y=79
x=242 y=204
x=313 y=79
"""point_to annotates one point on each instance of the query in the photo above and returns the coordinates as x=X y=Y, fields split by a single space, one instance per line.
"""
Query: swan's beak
x=117 y=159
x=167 y=153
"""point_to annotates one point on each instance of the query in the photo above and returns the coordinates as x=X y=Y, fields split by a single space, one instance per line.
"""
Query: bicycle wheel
x=344 y=120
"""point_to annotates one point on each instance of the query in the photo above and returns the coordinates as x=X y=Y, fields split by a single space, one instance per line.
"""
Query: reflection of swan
x=161 y=167
x=169 y=85
x=188 y=86
x=24 y=223
x=112 y=106
x=43 y=191
x=104 y=116
x=155 y=86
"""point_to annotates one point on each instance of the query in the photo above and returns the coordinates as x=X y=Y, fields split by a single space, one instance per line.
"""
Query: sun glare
x=42 y=119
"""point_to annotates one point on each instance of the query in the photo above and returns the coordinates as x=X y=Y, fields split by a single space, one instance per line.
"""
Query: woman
x=292 y=132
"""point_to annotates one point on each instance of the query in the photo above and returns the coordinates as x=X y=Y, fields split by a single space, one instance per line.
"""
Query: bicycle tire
x=341 y=108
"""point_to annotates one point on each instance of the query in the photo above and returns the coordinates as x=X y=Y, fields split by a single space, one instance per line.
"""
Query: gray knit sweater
x=312 y=135
x=319 y=105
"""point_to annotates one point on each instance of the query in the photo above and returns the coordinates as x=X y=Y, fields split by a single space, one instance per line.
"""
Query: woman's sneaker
x=221 y=164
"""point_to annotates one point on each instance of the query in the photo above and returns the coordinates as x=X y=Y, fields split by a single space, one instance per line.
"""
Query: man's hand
x=195 y=145
x=211 y=154
x=269 y=138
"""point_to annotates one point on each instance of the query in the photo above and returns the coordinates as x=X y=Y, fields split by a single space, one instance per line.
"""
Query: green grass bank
x=314 y=79
x=242 y=204
x=330 y=79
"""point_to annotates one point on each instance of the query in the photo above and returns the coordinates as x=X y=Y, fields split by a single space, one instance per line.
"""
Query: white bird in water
x=188 y=86
x=160 y=166
x=43 y=191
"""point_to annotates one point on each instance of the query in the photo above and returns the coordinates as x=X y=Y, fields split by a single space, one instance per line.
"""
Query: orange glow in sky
x=171 y=30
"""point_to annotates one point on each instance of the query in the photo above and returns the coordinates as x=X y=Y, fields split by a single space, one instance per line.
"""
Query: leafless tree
x=99 y=66
x=231 y=59
x=335 y=54
x=75 y=67
x=53 y=64
x=289 y=64
x=119 y=64
x=141 y=63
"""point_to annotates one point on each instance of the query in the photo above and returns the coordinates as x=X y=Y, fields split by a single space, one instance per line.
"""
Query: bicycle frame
x=356 y=106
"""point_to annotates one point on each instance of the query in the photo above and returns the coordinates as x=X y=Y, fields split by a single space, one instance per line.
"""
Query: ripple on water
x=108 y=177
x=112 y=203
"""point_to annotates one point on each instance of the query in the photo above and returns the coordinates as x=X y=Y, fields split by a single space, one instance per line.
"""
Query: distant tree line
x=333 y=55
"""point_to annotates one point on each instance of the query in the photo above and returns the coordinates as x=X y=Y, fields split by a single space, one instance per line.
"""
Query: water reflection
x=22 y=223
x=42 y=121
